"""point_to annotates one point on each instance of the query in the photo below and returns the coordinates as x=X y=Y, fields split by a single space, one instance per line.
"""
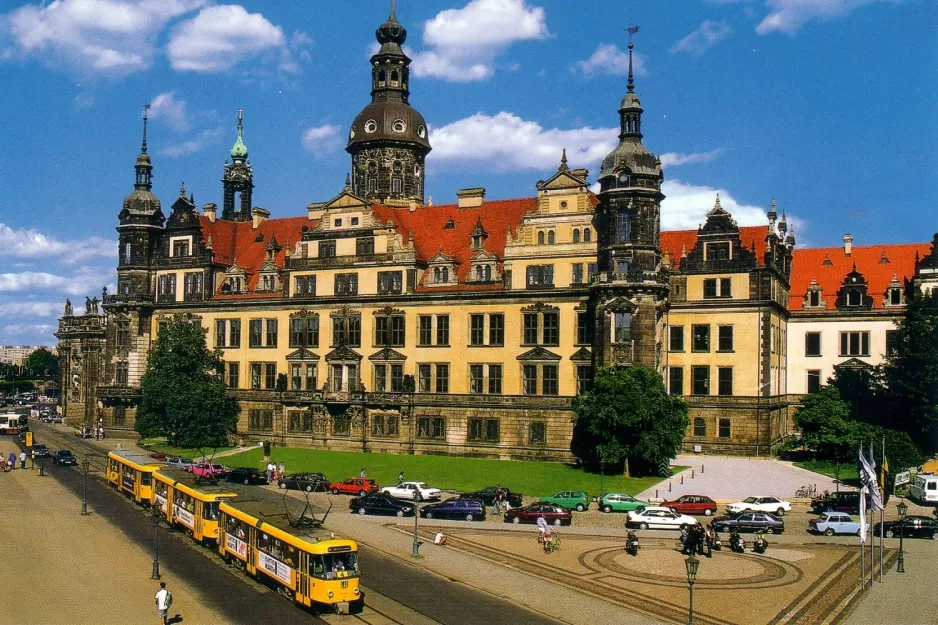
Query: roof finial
x=143 y=146
x=392 y=8
x=631 y=84
x=240 y=120
x=182 y=190
x=563 y=161
x=348 y=182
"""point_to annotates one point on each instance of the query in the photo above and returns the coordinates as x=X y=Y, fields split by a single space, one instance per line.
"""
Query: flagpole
x=862 y=538
x=882 y=512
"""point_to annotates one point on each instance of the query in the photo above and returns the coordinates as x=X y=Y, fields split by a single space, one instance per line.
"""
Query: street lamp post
x=692 y=564
x=602 y=472
x=903 y=509
x=85 y=465
x=156 y=541
x=415 y=550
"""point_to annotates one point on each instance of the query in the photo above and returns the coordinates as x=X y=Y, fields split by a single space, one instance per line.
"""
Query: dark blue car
x=455 y=508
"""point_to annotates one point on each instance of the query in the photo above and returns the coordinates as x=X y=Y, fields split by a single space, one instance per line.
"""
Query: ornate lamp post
x=85 y=465
x=602 y=473
x=415 y=550
x=903 y=509
x=692 y=564
x=156 y=540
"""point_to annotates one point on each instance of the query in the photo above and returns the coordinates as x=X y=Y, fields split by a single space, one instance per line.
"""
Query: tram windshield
x=333 y=565
x=210 y=510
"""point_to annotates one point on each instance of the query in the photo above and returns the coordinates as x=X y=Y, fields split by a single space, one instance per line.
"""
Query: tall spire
x=239 y=151
x=143 y=166
x=143 y=145
x=631 y=84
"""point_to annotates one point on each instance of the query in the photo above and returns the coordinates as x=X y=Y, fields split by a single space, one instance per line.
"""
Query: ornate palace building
x=377 y=321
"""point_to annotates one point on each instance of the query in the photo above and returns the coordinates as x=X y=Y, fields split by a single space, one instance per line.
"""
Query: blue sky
x=826 y=105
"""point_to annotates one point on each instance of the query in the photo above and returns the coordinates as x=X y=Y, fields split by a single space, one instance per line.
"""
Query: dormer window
x=440 y=275
x=814 y=299
x=854 y=298
x=894 y=297
x=718 y=251
x=814 y=296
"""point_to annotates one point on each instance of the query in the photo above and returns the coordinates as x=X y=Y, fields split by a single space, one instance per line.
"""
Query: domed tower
x=630 y=295
x=238 y=179
x=388 y=139
x=139 y=228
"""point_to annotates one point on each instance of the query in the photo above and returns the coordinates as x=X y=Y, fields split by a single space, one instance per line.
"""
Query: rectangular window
x=812 y=344
x=476 y=379
x=310 y=377
x=442 y=329
x=584 y=379
x=591 y=270
x=584 y=329
x=676 y=380
x=676 y=339
x=701 y=380
x=346 y=284
x=365 y=246
x=725 y=339
x=714 y=287
x=710 y=287
x=180 y=248
x=296 y=377
x=306 y=285
x=256 y=327
x=551 y=332
x=327 y=249
x=270 y=375
x=234 y=372
x=390 y=282
x=496 y=329
x=895 y=297
x=431 y=427
x=537 y=433
x=892 y=337
x=622 y=327
x=700 y=426
x=193 y=282
x=814 y=298
x=476 y=329
x=220 y=325
x=549 y=382
x=495 y=379
x=726 y=289
x=341 y=425
x=255 y=375
x=254 y=419
x=725 y=381
x=540 y=276
x=476 y=429
x=854 y=343
x=442 y=378
x=530 y=328
x=296 y=332
x=234 y=333
x=814 y=380
x=724 y=428
x=718 y=251
x=529 y=373
x=701 y=338
x=382 y=331
x=425 y=334
x=492 y=430
x=397 y=378
x=381 y=378
x=122 y=374
x=423 y=378
x=271 y=334
x=577 y=273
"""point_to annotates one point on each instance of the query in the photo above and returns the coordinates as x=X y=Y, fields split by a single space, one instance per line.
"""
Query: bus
x=186 y=502
x=307 y=565
x=132 y=474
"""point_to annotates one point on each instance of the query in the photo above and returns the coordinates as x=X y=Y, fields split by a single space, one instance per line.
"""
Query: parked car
x=658 y=517
x=750 y=522
x=413 y=491
x=487 y=496
x=40 y=451
x=158 y=455
x=570 y=499
x=455 y=508
x=246 y=475
x=64 y=457
x=210 y=470
x=760 y=504
x=354 y=486
x=842 y=501
x=692 y=504
x=379 y=503
x=913 y=526
x=304 y=481
x=177 y=462
x=552 y=513
x=830 y=523
x=620 y=502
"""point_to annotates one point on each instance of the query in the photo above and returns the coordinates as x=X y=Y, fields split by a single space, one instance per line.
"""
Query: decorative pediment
x=345 y=311
x=565 y=178
x=303 y=355
x=539 y=354
x=582 y=355
x=619 y=304
x=539 y=307
x=388 y=311
x=347 y=199
x=483 y=256
x=853 y=363
x=442 y=259
x=581 y=306
x=269 y=266
x=303 y=313
x=343 y=353
x=387 y=355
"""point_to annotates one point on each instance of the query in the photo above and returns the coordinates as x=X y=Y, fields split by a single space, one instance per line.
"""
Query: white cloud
x=85 y=280
x=30 y=243
x=788 y=16
x=686 y=206
x=109 y=36
x=30 y=330
x=32 y=309
x=165 y=106
x=219 y=37
x=321 y=140
x=464 y=43
x=202 y=140
x=705 y=37
x=673 y=159
x=608 y=59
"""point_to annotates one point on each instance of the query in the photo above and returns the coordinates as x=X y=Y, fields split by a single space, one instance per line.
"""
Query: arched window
x=587 y=235
x=127 y=253
x=479 y=272
x=540 y=238
x=445 y=274
x=437 y=274
x=394 y=77
x=550 y=238
x=381 y=77
x=488 y=273
x=576 y=235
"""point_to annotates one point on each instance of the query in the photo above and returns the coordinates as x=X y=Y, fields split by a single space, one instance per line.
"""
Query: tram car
x=132 y=474
x=188 y=502
x=306 y=565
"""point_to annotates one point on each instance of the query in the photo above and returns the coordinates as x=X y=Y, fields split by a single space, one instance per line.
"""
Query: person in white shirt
x=163 y=600
x=439 y=539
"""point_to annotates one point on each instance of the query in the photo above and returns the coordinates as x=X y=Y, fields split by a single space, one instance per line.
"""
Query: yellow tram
x=131 y=473
x=188 y=504
x=306 y=565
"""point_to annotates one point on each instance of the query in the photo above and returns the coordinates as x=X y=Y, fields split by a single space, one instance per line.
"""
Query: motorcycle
x=760 y=544
x=737 y=543
x=631 y=544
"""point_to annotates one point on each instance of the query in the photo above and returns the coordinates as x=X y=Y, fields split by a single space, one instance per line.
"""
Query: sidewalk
x=903 y=597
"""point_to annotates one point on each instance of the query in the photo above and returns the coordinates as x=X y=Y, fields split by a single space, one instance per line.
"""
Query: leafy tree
x=628 y=419
x=184 y=396
x=824 y=422
x=42 y=363
x=911 y=372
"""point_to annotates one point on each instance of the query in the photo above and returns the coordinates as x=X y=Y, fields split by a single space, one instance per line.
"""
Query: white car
x=659 y=517
x=414 y=491
x=760 y=504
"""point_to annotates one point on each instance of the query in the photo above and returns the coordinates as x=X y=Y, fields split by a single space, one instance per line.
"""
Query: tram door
x=302 y=578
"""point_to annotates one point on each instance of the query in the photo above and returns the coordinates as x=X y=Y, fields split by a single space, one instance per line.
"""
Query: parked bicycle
x=807 y=492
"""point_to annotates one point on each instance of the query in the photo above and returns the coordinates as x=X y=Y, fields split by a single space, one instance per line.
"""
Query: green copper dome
x=239 y=151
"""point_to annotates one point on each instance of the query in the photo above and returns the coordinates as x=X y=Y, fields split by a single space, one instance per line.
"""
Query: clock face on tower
x=624 y=177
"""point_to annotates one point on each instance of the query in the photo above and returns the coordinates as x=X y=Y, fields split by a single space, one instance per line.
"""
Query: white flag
x=869 y=480
x=863 y=515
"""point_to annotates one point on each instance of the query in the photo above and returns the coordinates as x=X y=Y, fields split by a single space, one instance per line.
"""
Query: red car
x=553 y=514
x=360 y=486
x=692 y=504
x=209 y=470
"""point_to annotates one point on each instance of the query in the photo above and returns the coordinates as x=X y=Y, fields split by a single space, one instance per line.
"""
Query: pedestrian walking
x=400 y=477
x=497 y=504
x=270 y=471
x=11 y=461
x=22 y=459
x=362 y=474
x=281 y=471
x=164 y=599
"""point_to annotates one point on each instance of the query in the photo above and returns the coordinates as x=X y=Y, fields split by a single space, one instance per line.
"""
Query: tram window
x=236 y=528
x=316 y=567
x=184 y=501
x=145 y=478
x=334 y=563
x=210 y=510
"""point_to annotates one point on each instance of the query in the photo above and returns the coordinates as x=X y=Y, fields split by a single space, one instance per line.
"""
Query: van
x=925 y=489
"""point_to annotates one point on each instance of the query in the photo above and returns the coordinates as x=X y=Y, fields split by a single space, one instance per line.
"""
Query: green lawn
x=847 y=471
x=159 y=444
x=449 y=473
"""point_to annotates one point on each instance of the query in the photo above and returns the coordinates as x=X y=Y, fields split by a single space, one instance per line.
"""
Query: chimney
x=314 y=210
x=258 y=215
x=470 y=198
x=848 y=244
x=581 y=173
x=209 y=210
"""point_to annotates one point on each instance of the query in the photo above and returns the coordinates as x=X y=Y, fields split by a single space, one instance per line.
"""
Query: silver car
x=830 y=523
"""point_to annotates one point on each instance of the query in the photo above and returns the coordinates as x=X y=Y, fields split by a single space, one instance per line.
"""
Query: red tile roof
x=812 y=264
x=678 y=242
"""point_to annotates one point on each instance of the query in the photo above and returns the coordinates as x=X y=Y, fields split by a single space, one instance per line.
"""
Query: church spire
x=630 y=86
x=144 y=167
x=630 y=110
x=239 y=151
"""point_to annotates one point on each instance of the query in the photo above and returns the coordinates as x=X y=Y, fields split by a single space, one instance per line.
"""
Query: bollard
x=701 y=469
x=691 y=474
x=682 y=479
x=669 y=486
x=656 y=493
